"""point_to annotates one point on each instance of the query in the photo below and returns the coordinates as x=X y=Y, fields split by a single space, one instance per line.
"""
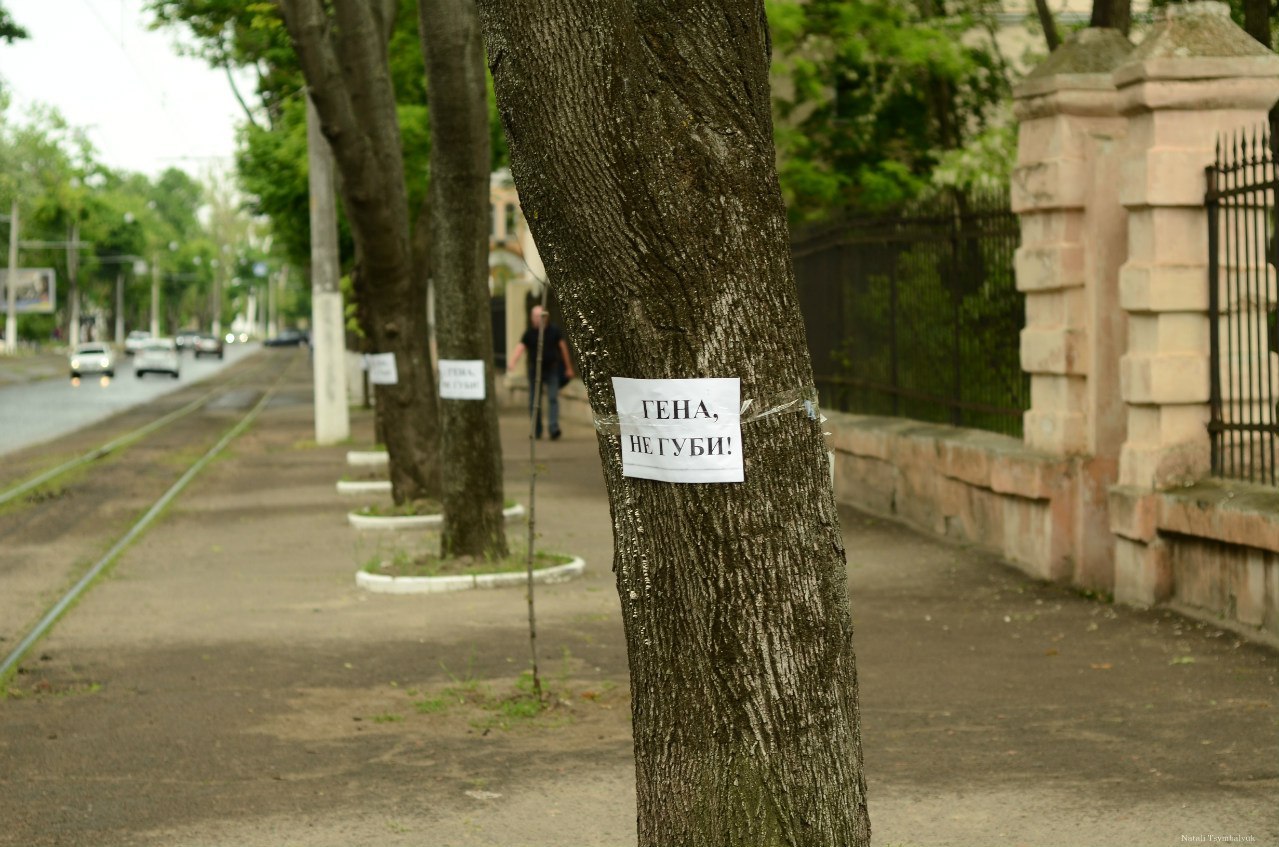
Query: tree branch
x=235 y=90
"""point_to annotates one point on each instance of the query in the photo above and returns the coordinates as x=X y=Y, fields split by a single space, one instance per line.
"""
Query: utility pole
x=73 y=285
x=272 y=327
x=328 y=325
x=155 y=295
x=217 y=298
x=118 y=335
x=11 y=296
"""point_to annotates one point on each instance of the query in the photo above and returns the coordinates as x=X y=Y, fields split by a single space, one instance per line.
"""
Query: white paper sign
x=680 y=430
x=382 y=369
x=462 y=379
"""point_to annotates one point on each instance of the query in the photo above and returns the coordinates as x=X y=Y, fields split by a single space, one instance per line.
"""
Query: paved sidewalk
x=229 y=685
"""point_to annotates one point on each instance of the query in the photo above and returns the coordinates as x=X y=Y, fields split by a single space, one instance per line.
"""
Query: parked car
x=133 y=341
x=288 y=338
x=157 y=355
x=186 y=339
x=92 y=359
x=208 y=345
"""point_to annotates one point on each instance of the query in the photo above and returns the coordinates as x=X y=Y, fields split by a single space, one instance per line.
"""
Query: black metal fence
x=917 y=314
x=1244 y=338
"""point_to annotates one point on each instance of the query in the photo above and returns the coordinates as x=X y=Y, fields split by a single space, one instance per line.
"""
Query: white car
x=157 y=356
x=92 y=359
x=133 y=341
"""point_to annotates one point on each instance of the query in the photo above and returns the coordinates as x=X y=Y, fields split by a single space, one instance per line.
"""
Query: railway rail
x=65 y=531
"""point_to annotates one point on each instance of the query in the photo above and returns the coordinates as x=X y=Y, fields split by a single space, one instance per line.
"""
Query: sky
x=145 y=107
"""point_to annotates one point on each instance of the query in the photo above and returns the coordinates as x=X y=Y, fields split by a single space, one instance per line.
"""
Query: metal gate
x=1244 y=338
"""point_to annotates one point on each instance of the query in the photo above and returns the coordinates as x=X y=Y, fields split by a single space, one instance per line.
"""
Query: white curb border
x=363 y=486
x=366 y=457
x=393 y=522
x=379 y=584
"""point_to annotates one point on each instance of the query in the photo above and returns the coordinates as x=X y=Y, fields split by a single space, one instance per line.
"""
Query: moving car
x=186 y=339
x=92 y=358
x=134 y=341
x=157 y=355
x=207 y=345
x=288 y=338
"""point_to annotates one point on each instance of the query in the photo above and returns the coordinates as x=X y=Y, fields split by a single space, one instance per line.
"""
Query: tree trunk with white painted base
x=342 y=49
x=641 y=145
x=471 y=442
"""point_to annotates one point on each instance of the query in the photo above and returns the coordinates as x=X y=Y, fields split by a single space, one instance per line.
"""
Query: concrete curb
x=368 y=486
x=380 y=584
x=367 y=458
x=394 y=522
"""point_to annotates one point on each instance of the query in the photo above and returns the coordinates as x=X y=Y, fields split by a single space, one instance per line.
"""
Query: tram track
x=128 y=438
x=73 y=534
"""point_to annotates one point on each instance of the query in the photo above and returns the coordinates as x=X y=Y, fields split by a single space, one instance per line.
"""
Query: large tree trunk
x=1113 y=14
x=641 y=144
x=1256 y=20
x=346 y=67
x=458 y=102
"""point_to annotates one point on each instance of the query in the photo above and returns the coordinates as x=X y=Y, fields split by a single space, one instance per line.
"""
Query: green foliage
x=10 y=31
x=52 y=170
x=870 y=97
x=272 y=152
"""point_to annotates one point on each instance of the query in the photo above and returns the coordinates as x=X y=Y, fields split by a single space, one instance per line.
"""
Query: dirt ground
x=227 y=684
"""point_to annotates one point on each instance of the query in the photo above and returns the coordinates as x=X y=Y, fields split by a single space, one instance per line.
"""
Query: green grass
x=431 y=706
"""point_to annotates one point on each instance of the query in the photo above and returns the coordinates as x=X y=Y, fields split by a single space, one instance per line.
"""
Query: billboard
x=37 y=291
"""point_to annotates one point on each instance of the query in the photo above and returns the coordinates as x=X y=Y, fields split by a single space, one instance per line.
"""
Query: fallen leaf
x=1101 y=666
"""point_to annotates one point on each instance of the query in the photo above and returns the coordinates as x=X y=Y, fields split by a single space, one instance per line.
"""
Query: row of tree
x=642 y=142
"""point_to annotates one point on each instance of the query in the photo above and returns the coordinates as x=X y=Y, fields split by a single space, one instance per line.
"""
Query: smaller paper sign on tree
x=382 y=369
x=680 y=430
x=462 y=379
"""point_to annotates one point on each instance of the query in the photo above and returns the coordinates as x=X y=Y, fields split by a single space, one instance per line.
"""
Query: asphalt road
x=33 y=412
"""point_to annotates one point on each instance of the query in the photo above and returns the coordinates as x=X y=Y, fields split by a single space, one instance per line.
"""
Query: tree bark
x=1113 y=14
x=641 y=145
x=346 y=67
x=1256 y=20
x=458 y=101
x=1049 y=24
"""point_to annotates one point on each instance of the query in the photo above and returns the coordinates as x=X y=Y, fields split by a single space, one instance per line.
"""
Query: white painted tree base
x=394 y=522
x=364 y=486
x=366 y=458
x=380 y=584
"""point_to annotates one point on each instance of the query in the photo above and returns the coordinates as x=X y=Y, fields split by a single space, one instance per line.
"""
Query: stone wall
x=1220 y=539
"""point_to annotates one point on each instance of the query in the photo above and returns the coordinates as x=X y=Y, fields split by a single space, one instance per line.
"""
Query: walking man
x=557 y=367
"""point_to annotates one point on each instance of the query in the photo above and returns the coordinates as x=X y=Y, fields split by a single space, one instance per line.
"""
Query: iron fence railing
x=1243 y=336
x=917 y=314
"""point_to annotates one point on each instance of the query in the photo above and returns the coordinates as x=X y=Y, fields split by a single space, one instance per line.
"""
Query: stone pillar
x=1070 y=244
x=1196 y=76
x=1074 y=238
